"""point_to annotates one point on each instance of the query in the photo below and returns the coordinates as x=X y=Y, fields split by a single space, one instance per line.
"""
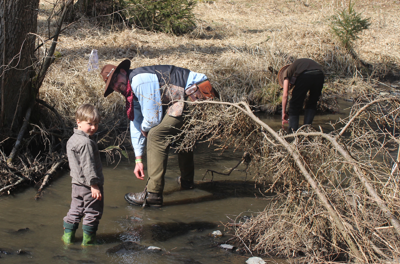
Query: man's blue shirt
x=148 y=108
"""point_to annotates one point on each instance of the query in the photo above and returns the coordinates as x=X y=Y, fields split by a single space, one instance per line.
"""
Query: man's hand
x=144 y=133
x=96 y=194
x=285 y=95
x=285 y=118
x=139 y=172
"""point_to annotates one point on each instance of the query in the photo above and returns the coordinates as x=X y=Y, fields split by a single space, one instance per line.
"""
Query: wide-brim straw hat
x=108 y=72
x=280 y=74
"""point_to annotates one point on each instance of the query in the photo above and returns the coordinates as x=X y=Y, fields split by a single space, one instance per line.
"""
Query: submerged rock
x=23 y=230
x=19 y=231
x=62 y=258
x=164 y=231
x=191 y=261
x=23 y=252
x=126 y=247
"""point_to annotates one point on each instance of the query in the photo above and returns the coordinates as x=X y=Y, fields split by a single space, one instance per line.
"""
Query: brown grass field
x=234 y=44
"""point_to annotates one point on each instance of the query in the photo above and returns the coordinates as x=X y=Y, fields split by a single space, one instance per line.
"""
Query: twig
x=21 y=133
x=60 y=118
x=243 y=159
x=48 y=175
x=362 y=110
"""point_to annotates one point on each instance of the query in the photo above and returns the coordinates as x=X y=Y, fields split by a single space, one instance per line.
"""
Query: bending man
x=154 y=106
x=305 y=75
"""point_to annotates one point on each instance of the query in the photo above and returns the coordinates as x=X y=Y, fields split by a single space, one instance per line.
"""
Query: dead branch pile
x=336 y=196
x=42 y=150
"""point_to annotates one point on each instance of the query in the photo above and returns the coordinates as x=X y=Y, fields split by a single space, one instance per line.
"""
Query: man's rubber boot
x=145 y=198
x=69 y=233
x=309 y=116
x=89 y=235
x=185 y=185
x=293 y=124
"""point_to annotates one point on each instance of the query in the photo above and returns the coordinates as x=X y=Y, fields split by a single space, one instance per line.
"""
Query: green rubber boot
x=69 y=233
x=89 y=235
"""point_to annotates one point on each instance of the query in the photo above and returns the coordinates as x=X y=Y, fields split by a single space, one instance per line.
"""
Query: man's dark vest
x=166 y=74
x=172 y=82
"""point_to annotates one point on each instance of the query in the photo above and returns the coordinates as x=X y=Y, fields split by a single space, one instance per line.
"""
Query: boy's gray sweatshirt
x=84 y=159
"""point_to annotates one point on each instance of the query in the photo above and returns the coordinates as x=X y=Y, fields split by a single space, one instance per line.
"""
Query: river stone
x=226 y=246
x=216 y=233
x=153 y=248
x=255 y=260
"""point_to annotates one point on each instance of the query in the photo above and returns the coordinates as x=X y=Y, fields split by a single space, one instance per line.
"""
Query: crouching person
x=305 y=75
x=87 y=178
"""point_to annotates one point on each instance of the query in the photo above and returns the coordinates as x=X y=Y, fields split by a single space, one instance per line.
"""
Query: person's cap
x=108 y=71
x=280 y=74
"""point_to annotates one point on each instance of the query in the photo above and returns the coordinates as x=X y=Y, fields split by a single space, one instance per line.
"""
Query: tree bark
x=18 y=19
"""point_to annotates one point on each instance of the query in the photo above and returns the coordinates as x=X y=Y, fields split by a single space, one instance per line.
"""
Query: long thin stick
x=396 y=165
x=47 y=177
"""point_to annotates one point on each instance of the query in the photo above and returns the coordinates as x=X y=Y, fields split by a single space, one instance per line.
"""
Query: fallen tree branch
x=20 y=179
x=358 y=171
x=244 y=107
x=48 y=174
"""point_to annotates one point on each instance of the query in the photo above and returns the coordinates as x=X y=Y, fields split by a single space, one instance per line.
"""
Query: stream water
x=30 y=230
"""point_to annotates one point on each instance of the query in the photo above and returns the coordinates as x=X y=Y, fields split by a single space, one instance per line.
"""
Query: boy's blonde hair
x=88 y=113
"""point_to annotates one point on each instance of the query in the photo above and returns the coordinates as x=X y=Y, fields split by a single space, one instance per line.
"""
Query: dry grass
x=234 y=45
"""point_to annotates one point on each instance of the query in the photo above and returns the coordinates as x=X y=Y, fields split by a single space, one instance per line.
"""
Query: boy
x=87 y=178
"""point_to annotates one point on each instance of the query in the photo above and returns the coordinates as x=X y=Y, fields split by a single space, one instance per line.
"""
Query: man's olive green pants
x=158 y=144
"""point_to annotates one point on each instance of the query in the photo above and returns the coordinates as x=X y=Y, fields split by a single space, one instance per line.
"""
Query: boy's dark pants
x=84 y=205
x=312 y=82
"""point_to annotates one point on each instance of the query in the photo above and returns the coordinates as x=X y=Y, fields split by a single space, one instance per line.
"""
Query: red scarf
x=129 y=101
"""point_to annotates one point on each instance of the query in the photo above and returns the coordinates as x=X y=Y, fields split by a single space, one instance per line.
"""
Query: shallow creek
x=30 y=230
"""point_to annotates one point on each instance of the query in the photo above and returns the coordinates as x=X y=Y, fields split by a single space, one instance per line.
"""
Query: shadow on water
x=216 y=190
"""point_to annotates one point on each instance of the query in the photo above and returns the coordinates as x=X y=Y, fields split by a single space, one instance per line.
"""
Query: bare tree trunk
x=36 y=85
x=19 y=19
